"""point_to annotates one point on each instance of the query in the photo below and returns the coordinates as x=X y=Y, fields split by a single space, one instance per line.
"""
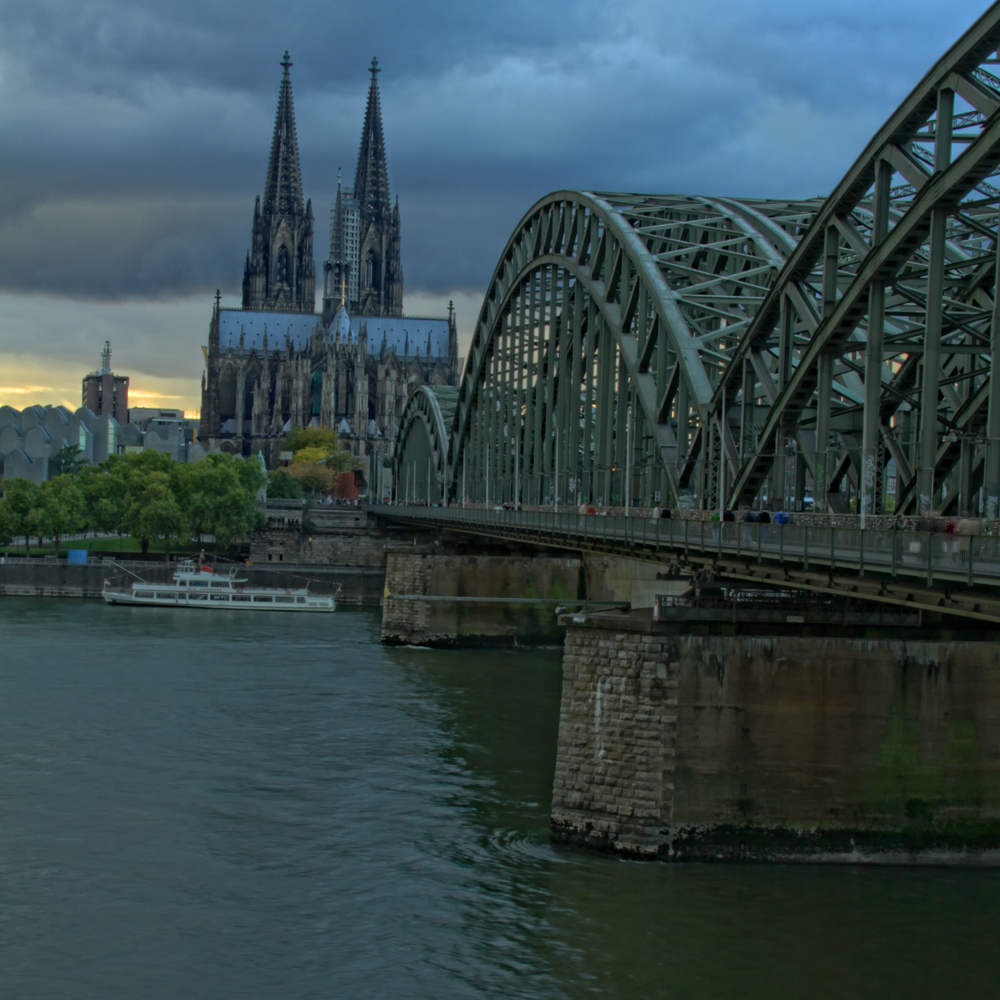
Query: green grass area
x=125 y=544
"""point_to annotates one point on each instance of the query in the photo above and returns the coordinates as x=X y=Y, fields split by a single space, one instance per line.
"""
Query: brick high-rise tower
x=280 y=274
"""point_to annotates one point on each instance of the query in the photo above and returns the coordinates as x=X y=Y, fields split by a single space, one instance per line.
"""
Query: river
x=219 y=806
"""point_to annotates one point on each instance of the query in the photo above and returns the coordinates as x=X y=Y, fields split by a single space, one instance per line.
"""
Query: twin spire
x=283 y=189
x=280 y=271
x=371 y=179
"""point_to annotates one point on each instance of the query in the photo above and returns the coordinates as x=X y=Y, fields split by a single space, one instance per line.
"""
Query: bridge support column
x=455 y=618
x=760 y=747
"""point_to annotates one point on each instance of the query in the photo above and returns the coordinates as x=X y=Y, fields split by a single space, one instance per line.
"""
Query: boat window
x=262 y=600
x=198 y=583
x=284 y=600
x=143 y=593
x=300 y=600
x=241 y=597
x=220 y=583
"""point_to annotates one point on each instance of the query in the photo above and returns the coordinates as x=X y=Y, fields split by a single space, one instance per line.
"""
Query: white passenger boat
x=199 y=586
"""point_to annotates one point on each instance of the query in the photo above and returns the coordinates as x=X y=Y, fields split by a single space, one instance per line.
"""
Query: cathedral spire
x=280 y=273
x=371 y=180
x=283 y=190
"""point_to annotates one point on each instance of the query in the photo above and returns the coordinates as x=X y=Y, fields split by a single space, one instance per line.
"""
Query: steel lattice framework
x=638 y=347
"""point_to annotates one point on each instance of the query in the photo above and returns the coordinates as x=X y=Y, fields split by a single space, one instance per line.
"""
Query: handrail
x=967 y=559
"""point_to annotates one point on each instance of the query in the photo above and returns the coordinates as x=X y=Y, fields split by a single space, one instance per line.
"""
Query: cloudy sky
x=134 y=136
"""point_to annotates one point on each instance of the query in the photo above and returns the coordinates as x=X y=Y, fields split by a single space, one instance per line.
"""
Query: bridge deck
x=942 y=572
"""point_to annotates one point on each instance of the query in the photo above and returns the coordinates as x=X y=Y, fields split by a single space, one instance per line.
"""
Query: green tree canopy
x=223 y=497
x=105 y=494
x=312 y=437
x=318 y=444
x=62 y=508
x=153 y=511
x=281 y=485
x=315 y=477
x=148 y=495
x=67 y=460
x=21 y=510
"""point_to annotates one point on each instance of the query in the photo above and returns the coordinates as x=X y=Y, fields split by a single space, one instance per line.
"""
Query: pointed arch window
x=370 y=269
x=282 y=271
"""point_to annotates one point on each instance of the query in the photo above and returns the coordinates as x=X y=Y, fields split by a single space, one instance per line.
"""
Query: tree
x=281 y=485
x=105 y=495
x=312 y=437
x=66 y=460
x=153 y=512
x=311 y=454
x=61 y=508
x=342 y=461
x=22 y=514
x=315 y=477
x=223 y=499
x=253 y=476
x=319 y=444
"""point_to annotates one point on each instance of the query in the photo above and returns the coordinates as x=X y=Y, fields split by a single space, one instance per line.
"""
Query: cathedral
x=276 y=364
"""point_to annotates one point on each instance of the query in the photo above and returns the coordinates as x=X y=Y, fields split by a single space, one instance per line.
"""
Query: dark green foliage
x=282 y=485
x=147 y=495
x=67 y=461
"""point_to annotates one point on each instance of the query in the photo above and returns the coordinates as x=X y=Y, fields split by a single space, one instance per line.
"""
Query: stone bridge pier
x=686 y=740
x=743 y=722
x=490 y=594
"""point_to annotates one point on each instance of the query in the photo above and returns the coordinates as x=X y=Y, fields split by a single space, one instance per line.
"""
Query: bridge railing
x=926 y=556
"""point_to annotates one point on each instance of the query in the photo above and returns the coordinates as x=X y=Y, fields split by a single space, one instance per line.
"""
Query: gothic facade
x=275 y=364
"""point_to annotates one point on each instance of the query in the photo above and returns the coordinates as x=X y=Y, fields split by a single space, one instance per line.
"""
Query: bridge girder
x=608 y=321
x=645 y=347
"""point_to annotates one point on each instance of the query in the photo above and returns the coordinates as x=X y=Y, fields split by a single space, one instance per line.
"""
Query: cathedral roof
x=371 y=180
x=283 y=189
x=406 y=335
x=254 y=323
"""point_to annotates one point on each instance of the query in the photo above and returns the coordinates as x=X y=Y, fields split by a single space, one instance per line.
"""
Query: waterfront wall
x=771 y=748
x=318 y=536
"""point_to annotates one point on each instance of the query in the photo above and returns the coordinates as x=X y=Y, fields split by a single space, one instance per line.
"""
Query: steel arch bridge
x=714 y=352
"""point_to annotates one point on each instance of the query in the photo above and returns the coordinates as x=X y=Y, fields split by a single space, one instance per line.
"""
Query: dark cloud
x=134 y=134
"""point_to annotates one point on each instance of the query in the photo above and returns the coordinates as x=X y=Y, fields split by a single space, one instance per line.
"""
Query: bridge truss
x=710 y=352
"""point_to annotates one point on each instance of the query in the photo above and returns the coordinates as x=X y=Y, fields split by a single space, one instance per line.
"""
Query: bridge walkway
x=956 y=574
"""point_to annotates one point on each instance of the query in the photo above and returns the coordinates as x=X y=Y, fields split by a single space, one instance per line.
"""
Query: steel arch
x=608 y=323
x=646 y=346
x=422 y=446
x=883 y=320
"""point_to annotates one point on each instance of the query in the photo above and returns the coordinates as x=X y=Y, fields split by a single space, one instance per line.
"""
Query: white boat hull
x=217 y=602
x=202 y=588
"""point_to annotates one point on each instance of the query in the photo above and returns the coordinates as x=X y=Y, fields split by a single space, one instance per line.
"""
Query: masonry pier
x=485 y=581
x=728 y=734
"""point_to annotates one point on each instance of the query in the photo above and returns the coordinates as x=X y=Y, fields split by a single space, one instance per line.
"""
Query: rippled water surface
x=212 y=806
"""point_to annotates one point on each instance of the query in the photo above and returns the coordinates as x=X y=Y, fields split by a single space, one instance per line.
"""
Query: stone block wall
x=739 y=747
x=415 y=572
